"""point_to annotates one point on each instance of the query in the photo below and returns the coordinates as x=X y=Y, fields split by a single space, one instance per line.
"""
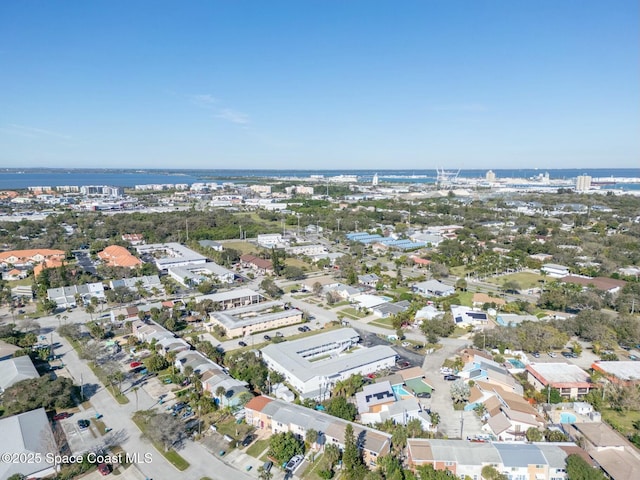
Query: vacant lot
x=524 y=279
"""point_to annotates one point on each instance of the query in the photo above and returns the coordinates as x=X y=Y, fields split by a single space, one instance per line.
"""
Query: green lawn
x=258 y=447
x=352 y=312
x=244 y=247
x=621 y=421
x=524 y=279
x=383 y=323
x=311 y=473
x=235 y=430
x=466 y=298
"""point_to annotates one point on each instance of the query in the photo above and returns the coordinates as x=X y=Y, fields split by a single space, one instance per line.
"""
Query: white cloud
x=233 y=116
x=204 y=100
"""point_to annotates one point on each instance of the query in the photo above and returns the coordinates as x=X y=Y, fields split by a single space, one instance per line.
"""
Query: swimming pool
x=516 y=363
x=567 y=418
x=400 y=391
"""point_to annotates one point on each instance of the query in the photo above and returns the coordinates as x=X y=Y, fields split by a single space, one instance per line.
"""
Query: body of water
x=17 y=179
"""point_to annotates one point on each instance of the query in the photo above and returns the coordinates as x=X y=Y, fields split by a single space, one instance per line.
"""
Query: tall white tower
x=374 y=182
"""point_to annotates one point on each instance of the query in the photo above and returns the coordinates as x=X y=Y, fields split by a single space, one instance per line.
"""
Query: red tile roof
x=258 y=403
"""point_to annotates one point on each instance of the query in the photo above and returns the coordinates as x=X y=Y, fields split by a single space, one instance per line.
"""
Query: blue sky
x=320 y=84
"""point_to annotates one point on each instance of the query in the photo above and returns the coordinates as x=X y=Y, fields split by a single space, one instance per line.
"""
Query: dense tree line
x=44 y=392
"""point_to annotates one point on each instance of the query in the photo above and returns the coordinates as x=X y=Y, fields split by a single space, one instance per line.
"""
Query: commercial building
x=622 y=373
x=241 y=322
x=173 y=254
x=309 y=250
x=583 y=183
x=233 y=298
x=554 y=270
x=604 y=284
x=191 y=275
x=28 y=438
x=278 y=416
x=313 y=365
x=570 y=380
x=464 y=459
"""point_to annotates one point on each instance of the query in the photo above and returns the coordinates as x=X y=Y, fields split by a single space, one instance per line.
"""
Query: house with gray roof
x=433 y=288
x=537 y=461
x=16 y=369
x=67 y=297
x=278 y=416
x=27 y=436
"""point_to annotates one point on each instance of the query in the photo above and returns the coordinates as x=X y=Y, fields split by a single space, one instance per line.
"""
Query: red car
x=104 y=468
x=61 y=416
x=134 y=364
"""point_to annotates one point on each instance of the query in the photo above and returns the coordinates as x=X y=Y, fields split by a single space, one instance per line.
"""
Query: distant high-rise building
x=374 y=182
x=490 y=176
x=583 y=183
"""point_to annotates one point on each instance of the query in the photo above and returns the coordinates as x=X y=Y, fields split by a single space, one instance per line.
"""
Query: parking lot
x=84 y=260
x=81 y=439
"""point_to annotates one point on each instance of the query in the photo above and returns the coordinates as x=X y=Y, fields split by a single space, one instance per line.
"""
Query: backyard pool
x=516 y=363
x=400 y=391
x=567 y=418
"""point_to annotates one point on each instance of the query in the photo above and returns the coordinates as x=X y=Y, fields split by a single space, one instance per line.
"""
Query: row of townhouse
x=277 y=416
x=517 y=461
x=213 y=378
x=69 y=296
x=213 y=375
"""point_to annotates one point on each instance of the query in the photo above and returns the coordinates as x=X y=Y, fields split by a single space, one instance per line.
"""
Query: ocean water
x=17 y=179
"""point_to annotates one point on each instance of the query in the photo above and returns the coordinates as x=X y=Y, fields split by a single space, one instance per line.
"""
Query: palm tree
x=135 y=391
x=220 y=393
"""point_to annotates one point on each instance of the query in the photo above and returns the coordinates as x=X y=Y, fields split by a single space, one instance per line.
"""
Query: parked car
x=267 y=338
x=552 y=354
x=61 y=415
x=242 y=344
x=82 y=423
x=536 y=354
x=406 y=344
x=423 y=395
x=221 y=453
x=267 y=466
x=104 y=468
x=134 y=364
x=247 y=440
x=279 y=334
x=451 y=378
x=403 y=364
x=301 y=329
x=294 y=463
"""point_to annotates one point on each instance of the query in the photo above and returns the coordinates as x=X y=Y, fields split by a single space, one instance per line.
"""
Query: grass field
x=235 y=430
x=244 y=247
x=524 y=279
x=466 y=298
x=621 y=421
